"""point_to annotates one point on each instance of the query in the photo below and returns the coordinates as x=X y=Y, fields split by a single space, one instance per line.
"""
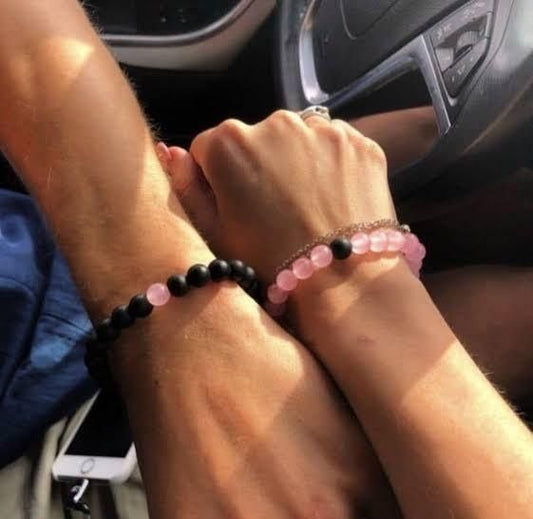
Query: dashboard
x=158 y=17
x=178 y=34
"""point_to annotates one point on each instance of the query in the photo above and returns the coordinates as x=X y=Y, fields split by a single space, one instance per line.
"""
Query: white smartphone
x=100 y=446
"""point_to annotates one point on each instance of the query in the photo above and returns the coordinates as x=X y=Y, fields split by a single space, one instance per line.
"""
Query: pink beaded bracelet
x=321 y=256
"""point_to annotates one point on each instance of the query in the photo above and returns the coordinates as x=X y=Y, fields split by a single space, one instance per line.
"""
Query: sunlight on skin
x=107 y=200
x=43 y=82
x=60 y=50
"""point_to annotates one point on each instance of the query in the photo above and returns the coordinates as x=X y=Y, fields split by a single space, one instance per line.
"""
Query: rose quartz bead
x=360 y=243
x=396 y=241
x=287 y=281
x=303 y=268
x=276 y=296
x=378 y=241
x=421 y=252
x=321 y=256
x=415 y=266
x=411 y=245
x=158 y=294
x=274 y=310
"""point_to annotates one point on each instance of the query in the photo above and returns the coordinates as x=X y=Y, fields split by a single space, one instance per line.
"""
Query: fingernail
x=163 y=151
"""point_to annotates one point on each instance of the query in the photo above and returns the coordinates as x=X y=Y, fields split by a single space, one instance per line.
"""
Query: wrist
x=363 y=321
x=113 y=263
x=322 y=301
x=176 y=334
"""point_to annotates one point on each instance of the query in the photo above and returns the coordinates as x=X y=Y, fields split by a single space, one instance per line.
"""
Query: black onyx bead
x=177 y=285
x=220 y=270
x=248 y=277
x=96 y=347
x=121 y=318
x=341 y=248
x=98 y=368
x=139 y=306
x=198 y=276
x=254 y=291
x=94 y=361
x=237 y=270
x=106 y=332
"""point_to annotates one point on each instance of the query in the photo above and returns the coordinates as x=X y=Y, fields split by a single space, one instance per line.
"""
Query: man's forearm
x=74 y=131
x=229 y=414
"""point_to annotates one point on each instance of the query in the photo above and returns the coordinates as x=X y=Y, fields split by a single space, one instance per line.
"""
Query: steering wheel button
x=481 y=7
x=442 y=32
x=445 y=57
x=475 y=10
x=458 y=20
x=456 y=77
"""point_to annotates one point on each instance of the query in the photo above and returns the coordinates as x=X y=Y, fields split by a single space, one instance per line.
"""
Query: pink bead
x=396 y=241
x=276 y=296
x=287 y=281
x=274 y=310
x=421 y=252
x=303 y=268
x=378 y=241
x=411 y=245
x=415 y=267
x=360 y=243
x=321 y=256
x=158 y=294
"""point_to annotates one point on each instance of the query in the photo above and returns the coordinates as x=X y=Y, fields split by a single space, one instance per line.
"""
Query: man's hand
x=231 y=417
x=235 y=418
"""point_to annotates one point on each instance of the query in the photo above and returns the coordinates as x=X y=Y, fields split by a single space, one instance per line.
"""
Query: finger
x=348 y=128
x=181 y=169
x=316 y=121
x=373 y=149
x=163 y=155
x=200 y=146
x=284 y=118
x=360 y=141
x=193 y=190
x=210 y=141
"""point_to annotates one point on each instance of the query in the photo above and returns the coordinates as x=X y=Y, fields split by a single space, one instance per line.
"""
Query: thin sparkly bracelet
x=158 y=295
x=347 y=230
x=396 y=239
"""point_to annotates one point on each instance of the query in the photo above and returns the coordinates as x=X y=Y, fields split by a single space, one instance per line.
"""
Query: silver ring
x=312 y=111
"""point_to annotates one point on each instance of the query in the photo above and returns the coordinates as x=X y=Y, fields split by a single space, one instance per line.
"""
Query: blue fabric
x=42 y=328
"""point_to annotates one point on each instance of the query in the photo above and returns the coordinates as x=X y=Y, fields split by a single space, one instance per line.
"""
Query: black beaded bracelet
x=142 y=305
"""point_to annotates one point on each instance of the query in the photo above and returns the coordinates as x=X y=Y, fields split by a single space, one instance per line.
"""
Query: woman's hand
x=420 y=398
x=264 y=191
x=251 y=172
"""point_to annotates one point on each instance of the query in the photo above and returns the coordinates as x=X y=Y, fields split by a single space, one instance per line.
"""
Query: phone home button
x=87 y=466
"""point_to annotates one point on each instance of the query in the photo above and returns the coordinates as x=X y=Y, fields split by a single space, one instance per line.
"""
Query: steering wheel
x=476 y=58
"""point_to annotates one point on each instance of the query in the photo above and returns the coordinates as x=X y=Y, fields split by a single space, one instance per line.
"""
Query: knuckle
x=375 y=151
x=231 y=128
x=335 y=135
x=231 y=133
x=319 y=505
x=286 y=117
x=196 y=143
x=357 y=139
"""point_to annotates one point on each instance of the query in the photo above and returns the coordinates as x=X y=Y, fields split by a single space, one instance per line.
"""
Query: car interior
x=445 y=86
